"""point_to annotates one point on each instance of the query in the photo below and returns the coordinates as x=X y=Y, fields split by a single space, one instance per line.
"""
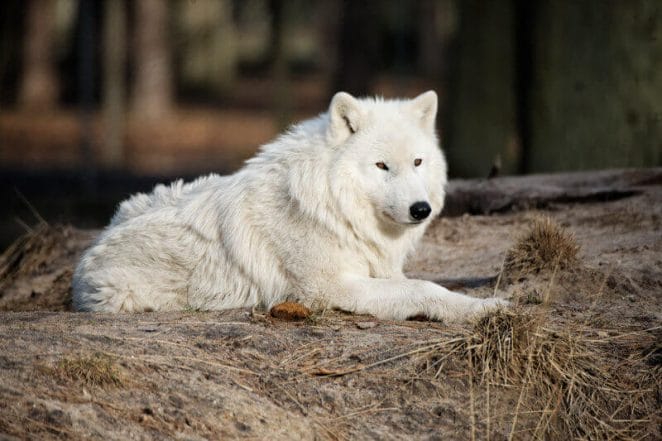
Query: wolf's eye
x=417 y=161
x=381 y=165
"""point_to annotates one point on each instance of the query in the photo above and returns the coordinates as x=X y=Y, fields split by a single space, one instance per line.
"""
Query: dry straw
x=564 y=384
x=89 y=369
x=30 y=252
x=546 y=246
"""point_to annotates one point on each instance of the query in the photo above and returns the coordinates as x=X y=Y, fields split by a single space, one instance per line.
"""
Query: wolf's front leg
x=402 y=299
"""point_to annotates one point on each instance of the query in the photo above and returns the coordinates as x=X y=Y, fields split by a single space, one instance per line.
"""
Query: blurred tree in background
x=114 y=88
x=39 y=86
x=481 y=117
x=556 y=85
x=596 y=85
x=153 y=93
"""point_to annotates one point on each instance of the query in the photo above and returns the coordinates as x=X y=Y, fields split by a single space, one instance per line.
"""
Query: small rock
x=419 y=318
x=149 y=329
x=366 y=325
x=242 y=427
x=631 y=298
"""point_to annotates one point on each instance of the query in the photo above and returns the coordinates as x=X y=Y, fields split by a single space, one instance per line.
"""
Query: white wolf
x=325 y=215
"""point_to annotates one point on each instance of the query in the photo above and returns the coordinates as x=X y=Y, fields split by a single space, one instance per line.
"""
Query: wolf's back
x=161 y=196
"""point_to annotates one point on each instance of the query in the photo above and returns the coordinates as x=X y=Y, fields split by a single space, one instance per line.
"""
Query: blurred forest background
x=99 y=99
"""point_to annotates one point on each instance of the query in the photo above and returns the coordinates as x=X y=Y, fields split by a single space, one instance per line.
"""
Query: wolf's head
x=387 y=158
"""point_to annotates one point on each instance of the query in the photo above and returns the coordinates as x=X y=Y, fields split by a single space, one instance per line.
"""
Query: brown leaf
x=290 y=311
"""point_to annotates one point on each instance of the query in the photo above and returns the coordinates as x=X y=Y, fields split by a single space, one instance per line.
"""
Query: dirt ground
x=578 y=356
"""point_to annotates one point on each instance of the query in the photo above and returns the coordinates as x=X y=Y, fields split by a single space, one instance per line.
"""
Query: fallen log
x=516 y=193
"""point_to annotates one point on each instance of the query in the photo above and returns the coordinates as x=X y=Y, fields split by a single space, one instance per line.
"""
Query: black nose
x=420 y=210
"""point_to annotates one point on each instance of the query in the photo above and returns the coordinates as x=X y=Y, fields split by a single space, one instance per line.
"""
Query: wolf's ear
x=424 y=108
x=345 y=116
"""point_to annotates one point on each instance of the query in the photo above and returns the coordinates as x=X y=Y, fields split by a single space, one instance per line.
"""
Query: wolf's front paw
x=484 y=306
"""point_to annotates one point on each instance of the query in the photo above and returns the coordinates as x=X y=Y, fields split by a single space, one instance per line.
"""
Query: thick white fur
x=311 y=218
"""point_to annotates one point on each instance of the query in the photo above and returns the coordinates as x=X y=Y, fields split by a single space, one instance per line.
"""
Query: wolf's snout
x=420 y=210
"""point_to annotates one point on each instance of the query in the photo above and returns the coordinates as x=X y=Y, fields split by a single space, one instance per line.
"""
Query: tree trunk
x=481 y=125
x=597 y=85
x=359 y=26
x=282 y=95
x=39 y=89
x=153 y=90
x=114 y=57
x=438 y=22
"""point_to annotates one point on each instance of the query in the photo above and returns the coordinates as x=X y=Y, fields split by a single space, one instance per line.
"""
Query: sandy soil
x=246 y=374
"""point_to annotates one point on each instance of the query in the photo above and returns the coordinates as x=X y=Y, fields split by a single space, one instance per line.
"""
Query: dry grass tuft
x=43 y=257
x=545 y=247
x=566 y=384
x=497 y=342
x=89 y=369
x=32 y=252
